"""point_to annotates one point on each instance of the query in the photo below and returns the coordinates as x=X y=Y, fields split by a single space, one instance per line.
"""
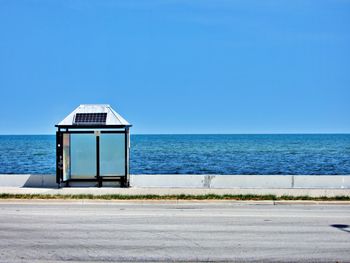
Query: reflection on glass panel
x=83 y=155
x=112 y=155
x=66 y=157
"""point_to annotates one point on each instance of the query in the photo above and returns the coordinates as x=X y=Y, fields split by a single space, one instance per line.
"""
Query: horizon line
x=263 y=133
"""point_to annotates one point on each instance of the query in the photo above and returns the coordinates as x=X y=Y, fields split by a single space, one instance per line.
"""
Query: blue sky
x=178 y=66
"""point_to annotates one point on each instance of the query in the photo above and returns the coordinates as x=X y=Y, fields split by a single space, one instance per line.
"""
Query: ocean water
x=199 y=154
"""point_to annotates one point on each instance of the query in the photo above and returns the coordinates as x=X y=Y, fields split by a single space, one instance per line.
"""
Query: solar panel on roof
x=90 y=118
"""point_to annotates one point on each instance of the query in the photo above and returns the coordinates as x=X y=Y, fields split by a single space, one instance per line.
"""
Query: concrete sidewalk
x=174 y=191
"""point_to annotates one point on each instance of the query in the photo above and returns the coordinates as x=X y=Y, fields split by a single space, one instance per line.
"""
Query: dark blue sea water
x=199 y=154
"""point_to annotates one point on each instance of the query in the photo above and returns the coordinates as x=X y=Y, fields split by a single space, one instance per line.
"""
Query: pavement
x=312 y=192
x=159 y=231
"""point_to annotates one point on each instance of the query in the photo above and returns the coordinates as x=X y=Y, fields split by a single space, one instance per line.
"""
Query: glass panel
x=66 y=157
x=112 y=154
x=83 y=155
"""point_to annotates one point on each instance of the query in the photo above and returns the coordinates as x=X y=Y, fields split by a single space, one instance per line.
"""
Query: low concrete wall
x=199 y=181
x=325 y=181
x=166 y=180
x=242 y=181
x=27 y=180
x=251 y=181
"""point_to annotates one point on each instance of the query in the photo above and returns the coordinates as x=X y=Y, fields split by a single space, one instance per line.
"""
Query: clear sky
x=178 y=66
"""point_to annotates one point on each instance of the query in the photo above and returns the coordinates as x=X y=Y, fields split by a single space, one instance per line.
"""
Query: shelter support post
x=59 y=157
x=126 y=182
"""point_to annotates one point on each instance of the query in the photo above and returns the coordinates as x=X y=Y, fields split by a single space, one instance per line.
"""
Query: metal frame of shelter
x=96 y=129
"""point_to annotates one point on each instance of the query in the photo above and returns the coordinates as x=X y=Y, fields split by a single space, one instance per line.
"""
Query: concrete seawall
x=200 y=181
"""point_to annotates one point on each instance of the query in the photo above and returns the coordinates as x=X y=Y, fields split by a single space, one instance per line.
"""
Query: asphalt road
x=38 y=231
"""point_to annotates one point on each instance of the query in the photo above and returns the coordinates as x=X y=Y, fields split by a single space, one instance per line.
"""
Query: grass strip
x=173 y=197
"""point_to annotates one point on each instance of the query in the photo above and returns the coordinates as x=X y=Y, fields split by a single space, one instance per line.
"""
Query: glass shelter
x=93 y=145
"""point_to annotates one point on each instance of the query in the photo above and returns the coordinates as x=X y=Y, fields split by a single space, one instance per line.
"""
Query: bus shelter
x=93 y=145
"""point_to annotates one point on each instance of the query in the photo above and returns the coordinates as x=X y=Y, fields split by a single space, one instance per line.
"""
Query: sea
x=260 y=154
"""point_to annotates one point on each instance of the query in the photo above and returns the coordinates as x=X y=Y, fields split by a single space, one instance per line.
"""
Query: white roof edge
x=120 y=118
x=86 y=105
x=113 y=118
